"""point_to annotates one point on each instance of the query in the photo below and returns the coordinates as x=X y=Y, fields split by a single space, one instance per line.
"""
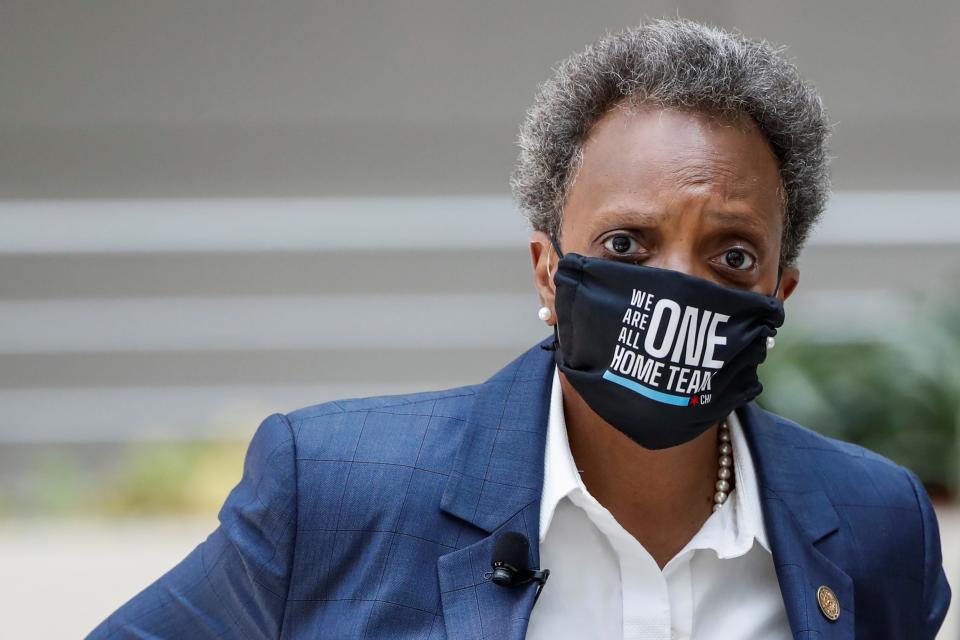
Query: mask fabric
x=659 y=354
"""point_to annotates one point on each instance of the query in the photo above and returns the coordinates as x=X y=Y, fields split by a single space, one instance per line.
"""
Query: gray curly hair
x=675 y=63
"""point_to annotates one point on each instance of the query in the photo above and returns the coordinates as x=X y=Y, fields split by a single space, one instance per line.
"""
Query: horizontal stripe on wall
x=366 y=223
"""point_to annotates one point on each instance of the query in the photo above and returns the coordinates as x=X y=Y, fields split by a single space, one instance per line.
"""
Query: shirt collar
x=560 y=475
x=730 y=531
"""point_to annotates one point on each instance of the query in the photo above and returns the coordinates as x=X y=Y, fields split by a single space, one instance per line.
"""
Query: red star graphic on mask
x=694 y=400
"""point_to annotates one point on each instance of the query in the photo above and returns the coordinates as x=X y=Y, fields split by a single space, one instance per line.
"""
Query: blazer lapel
x=495 y=485
x=474 y=608
x=803 y=529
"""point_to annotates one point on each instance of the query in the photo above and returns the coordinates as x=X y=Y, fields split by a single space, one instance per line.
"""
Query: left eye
x=738 y=259
x=620 y=244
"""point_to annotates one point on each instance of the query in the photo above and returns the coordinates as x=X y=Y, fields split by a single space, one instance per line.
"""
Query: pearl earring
x=771 y=343
x=544 y=313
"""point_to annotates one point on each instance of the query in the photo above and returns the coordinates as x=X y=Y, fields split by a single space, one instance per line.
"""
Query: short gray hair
x=675 y=63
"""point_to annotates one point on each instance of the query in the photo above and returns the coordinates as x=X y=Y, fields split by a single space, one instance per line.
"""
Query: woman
x=671 y=174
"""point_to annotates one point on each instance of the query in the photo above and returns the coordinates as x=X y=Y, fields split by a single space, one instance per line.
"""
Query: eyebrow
x=739 y=220
x=637 y=217
x=625 y=217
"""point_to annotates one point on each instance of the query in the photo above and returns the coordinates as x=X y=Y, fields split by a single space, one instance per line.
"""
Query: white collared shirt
x=603 y=584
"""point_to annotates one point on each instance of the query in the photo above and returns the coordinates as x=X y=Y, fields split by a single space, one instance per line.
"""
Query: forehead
x=655 y=159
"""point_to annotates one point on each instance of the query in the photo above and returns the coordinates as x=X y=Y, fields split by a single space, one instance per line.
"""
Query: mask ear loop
x=556 y=331
x=556 y=245
x=779 y=276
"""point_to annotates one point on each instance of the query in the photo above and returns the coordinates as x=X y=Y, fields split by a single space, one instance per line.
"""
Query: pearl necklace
x=725 y=470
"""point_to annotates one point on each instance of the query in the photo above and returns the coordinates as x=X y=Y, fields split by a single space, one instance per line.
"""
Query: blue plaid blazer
x=376 y=517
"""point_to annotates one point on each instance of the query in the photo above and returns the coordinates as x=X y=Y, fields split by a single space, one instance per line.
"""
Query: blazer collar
x=495 y=485
x=497 y=480
x=498 y=468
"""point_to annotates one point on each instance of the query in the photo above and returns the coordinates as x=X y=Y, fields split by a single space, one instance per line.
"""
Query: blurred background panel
x=212 y=212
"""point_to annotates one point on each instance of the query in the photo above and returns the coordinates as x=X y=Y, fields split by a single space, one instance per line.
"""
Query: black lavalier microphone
x=509 y=563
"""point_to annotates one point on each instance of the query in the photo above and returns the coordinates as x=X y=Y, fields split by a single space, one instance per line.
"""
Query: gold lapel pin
x=829 y=605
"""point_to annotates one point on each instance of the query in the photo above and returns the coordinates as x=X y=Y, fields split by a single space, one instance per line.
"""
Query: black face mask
x=658 y=354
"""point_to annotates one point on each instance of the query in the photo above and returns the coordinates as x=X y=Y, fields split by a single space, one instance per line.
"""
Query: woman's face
x=675 y=190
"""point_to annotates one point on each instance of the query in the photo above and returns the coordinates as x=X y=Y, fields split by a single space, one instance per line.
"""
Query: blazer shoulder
x=456 y=398
x=381 y=428
x=376 y=464
x=851 y=474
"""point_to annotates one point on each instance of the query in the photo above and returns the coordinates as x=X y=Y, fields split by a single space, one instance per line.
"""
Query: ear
x=788 y=282
x=544 y=260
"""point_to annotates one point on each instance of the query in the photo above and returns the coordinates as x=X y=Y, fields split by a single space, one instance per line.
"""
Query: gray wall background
x=211 y=211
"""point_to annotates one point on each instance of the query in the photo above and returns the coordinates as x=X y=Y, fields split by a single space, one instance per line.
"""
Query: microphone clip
x=509 y=563
x=506 y=576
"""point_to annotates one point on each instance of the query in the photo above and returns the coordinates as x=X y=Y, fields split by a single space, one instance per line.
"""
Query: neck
x=662 y=497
